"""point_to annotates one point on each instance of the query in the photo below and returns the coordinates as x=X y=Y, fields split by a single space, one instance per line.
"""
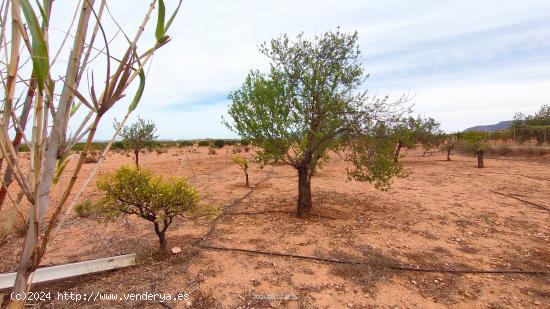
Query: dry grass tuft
x=367 y=276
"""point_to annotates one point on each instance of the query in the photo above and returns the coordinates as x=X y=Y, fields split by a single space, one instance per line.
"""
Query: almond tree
x=53 y=104
x=310 y=103
x=137 y=136
x=410 y=131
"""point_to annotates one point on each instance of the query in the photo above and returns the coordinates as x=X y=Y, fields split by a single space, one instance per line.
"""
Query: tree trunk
x=304 y=190
x=246 y=177
x=480 y=158
x=136 y=155
x=397 y=151
x=449 y=153
x=162 y=237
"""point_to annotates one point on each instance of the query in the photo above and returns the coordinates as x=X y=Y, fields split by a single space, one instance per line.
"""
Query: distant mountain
x=492 y=127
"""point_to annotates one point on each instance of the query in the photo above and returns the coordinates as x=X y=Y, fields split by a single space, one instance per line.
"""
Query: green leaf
x=75 y=107
x=159 y=32
x=39 y=53
x=43 y=12
x=172 y=18
x=61 y=164
x=139 y=92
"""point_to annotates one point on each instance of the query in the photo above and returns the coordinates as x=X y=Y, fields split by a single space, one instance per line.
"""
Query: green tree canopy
x=137 y=136
x=135 y=191
x=410 y=131
x=535 y=126
x=310 y=103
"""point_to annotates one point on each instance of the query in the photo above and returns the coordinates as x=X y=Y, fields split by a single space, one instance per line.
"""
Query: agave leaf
x=42 y=12
x=159 y=32
x=39 y=51
x=140 y=89
x=75 y=108
x=61 y=164
x=172 y=18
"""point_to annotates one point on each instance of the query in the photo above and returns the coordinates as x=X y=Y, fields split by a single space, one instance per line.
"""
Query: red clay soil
x=443 y=216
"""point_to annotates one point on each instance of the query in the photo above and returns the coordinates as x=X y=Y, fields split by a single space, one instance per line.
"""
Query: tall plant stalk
x=52 y=113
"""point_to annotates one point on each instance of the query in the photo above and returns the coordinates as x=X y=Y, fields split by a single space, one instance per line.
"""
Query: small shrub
x=85 y=208
x=244 y=142
x=246 y=149
x=118 y=145
x=20 y=225
x=204 y=143
x=185 y=143
x=24 y=148
x=243 y=163
x=211 y=151
x=218 y=143
x=237 y=149
x=160 y=151
x=130 y=190
x=91 y=157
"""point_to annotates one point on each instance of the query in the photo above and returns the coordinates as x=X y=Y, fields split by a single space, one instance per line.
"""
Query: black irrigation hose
x=229 y=206
x=392 y=267
x=275 y=211
x=539 y=206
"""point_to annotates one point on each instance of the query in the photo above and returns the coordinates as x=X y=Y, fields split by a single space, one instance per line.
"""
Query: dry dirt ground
x=443 y=216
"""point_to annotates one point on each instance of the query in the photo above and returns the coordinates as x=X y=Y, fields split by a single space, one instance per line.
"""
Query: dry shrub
x=506 y=150
x=365 y=275
x=15 y=223
x=246 y=149
x=85 y=208
x=237 y=149
x=160 y=151
x=211 y=151
x=92 y=157
x=4 y=233
x=204 y=300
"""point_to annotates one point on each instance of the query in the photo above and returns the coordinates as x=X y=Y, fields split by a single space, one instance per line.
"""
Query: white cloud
x=470 y=62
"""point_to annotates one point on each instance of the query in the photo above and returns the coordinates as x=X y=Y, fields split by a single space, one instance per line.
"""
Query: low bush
x=204 y=143
x=244 y=142
x=92 y=157
x=243 y=163
x=218 y=143
x=130 y=190
x=185 y=143
x=85 y=208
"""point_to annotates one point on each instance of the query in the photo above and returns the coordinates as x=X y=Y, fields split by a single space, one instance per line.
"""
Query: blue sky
x=466 y=62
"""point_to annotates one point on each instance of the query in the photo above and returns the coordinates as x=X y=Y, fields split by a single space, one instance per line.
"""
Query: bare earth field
x=443 y=216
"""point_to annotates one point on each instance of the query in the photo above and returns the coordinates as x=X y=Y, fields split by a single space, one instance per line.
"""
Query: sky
x=464 y=62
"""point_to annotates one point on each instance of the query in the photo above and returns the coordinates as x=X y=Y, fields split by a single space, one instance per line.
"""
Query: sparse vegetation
x=475 y=140
x=138 y=136
x=204 y=143
x=243 y=163
x=410 y=131
x=150 y=197
x=85 y=208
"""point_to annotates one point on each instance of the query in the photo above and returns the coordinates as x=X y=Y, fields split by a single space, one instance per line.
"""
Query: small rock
x=188 y=304
x=176 y=250
x=350 y=305
x=538 y=303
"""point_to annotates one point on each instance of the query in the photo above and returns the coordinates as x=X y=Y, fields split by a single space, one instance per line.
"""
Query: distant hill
x=492 y=127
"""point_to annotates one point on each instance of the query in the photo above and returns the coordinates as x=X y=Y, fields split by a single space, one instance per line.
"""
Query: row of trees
x=532 y=127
